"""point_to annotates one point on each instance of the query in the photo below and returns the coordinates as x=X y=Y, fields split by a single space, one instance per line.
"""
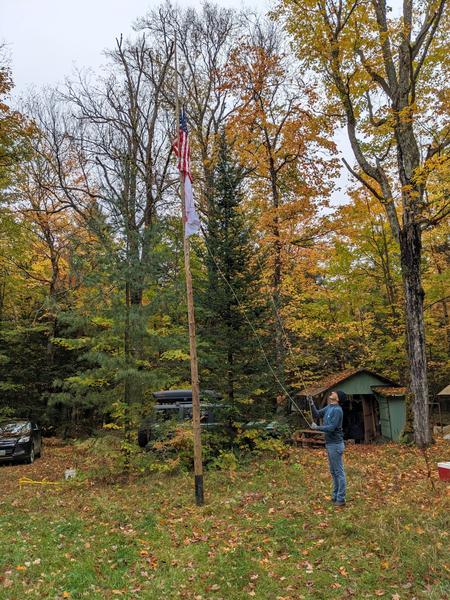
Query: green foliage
x=92 y=290
x=175 y=354
x=7 y=412
x=72 y=344
x=231 y=307
x=259 y=441
x=225 y=461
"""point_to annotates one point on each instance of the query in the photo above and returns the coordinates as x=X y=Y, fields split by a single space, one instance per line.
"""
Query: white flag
x=183 y=151
x=191 y=220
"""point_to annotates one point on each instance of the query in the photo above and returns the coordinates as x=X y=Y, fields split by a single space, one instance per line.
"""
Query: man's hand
x=314 y=425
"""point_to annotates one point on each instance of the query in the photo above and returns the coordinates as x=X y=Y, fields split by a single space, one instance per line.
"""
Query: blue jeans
x=335 y=453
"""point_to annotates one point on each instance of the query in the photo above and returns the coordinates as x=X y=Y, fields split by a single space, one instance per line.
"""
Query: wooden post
x=198 y=464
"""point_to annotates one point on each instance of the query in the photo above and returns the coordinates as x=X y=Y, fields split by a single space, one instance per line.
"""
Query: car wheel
x=30 y=459
x=143 y=438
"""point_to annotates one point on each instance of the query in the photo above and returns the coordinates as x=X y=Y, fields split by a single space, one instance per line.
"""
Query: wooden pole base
x=199 y=498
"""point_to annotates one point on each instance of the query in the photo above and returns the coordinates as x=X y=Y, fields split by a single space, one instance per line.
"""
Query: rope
x=255 y=333
x=27 y=480
x=287 y=341
x=278 y=317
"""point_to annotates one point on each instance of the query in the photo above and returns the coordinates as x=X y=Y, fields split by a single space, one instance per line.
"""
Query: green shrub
x=225 y=461
x=258 y=441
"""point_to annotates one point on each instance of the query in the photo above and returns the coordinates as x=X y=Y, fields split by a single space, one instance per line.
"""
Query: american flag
x=183 y=151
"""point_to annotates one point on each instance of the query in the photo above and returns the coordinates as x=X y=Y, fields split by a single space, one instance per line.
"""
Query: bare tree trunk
x=277 y=274
x=127 y=392
x=410 y=247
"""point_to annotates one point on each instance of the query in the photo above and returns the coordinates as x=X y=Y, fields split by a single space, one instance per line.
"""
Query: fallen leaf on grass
x=152 y=561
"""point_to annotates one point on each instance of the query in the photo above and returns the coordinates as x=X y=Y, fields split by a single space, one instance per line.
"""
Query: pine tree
x=231 y=299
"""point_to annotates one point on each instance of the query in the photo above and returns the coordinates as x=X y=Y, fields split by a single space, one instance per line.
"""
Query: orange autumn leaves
x=281 y=138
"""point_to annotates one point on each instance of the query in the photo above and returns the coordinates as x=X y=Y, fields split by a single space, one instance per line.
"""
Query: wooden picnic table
x=308 y=437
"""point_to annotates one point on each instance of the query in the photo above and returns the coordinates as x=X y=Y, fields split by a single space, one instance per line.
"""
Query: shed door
x=385 y=419
x=369 y=421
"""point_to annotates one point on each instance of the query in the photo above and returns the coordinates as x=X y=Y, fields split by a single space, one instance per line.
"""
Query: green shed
x=443 y=397
x=391 y=401
x=370 y=412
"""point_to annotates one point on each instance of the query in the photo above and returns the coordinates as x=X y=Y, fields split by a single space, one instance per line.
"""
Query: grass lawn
x=267 y=531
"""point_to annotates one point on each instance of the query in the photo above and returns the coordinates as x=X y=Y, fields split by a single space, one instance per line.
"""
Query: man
x=334 y=442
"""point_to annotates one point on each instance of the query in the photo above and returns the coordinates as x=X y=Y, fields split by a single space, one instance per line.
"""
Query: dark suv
x=19 y=441
x=176 y=405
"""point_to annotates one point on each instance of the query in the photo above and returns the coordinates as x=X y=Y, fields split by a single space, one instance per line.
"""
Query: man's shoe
x=339 y=504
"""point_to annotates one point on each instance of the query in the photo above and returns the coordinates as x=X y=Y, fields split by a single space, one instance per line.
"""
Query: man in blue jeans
x=334 y=442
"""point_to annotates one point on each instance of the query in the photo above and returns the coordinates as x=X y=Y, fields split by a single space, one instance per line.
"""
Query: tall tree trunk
x=411 y=250
x=128 y=385
x=277 y=273
x=230 y=372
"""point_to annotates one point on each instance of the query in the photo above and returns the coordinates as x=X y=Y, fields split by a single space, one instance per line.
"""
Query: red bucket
x=444 y=471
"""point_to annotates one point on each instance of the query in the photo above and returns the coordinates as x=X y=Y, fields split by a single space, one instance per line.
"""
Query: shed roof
x=445 y=391
x=385 y=390
x=333 y=380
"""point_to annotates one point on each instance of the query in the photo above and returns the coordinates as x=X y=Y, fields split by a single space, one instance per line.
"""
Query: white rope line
x=255 y=333
x=283 y=329
x=278 y=317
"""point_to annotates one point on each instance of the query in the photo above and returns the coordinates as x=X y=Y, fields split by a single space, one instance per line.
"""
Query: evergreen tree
x=231 y=298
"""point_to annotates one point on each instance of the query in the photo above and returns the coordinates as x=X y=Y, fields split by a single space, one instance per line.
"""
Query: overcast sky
x=47 y=39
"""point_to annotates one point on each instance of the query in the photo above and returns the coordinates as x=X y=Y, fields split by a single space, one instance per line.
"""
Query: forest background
x=289 y=285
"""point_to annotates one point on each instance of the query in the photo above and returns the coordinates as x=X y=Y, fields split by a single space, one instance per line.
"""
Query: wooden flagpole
x=198 y=464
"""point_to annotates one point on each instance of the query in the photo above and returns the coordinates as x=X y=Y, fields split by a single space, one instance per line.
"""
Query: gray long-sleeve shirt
x=332 y=422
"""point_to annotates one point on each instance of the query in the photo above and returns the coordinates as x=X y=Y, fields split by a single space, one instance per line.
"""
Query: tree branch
x=364 y=181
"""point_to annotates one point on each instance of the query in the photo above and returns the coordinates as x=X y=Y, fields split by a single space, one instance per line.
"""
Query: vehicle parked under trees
x=20 y=441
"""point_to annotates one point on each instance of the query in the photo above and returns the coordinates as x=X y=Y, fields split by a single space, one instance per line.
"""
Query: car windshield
x=15 y=428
